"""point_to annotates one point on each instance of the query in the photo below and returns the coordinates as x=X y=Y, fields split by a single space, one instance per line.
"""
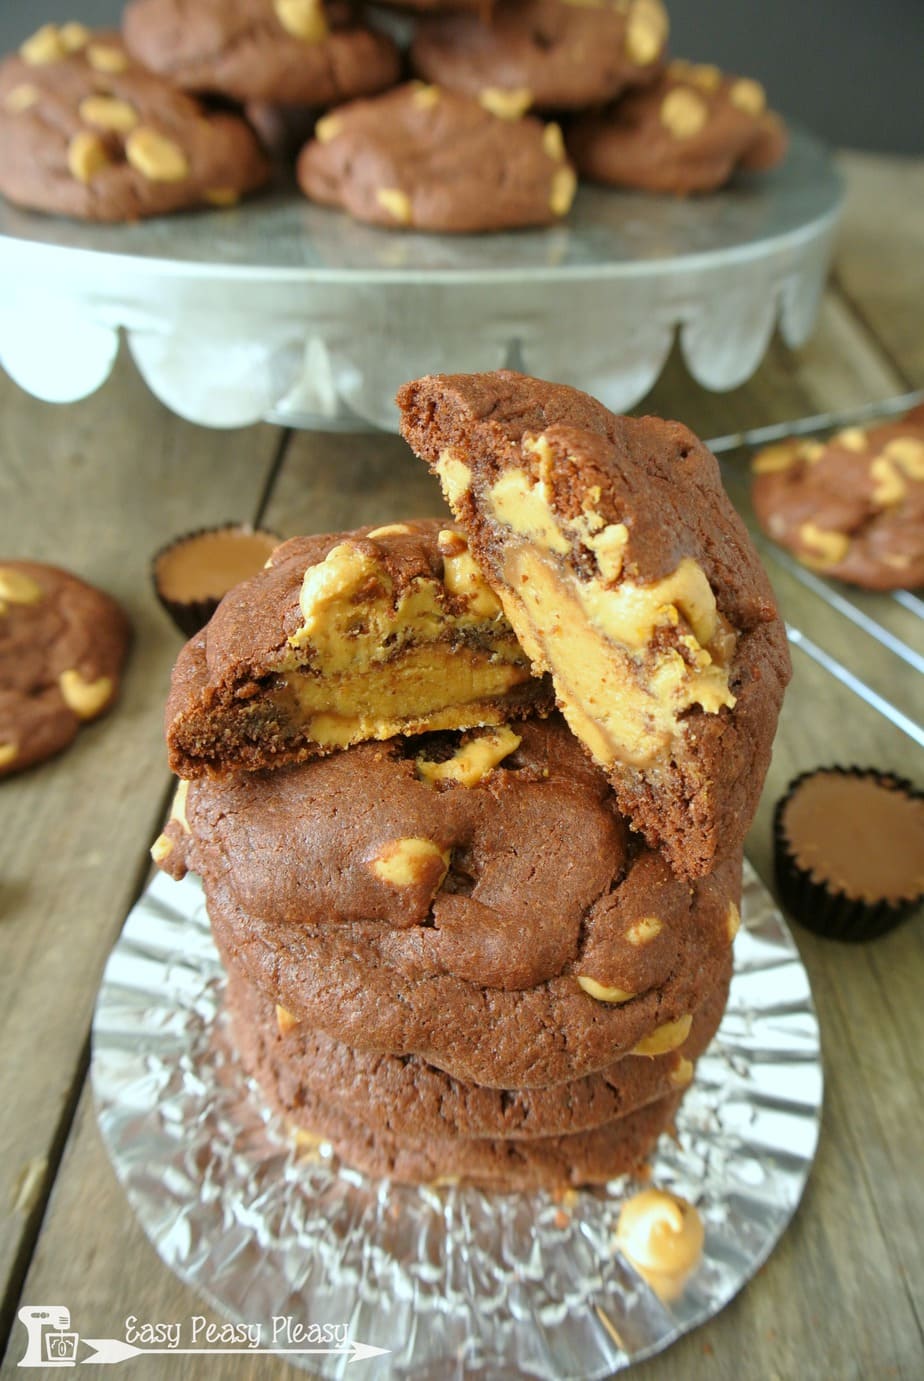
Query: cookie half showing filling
x=625 y=573
x=344 y=638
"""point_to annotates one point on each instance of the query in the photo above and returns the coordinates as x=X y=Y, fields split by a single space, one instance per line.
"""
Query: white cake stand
x=280 y=308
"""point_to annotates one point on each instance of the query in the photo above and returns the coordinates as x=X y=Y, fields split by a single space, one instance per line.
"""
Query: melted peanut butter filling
x=623 y=687
x=379 y=661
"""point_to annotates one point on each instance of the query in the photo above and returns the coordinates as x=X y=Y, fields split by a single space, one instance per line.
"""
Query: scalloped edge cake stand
x=280 y=309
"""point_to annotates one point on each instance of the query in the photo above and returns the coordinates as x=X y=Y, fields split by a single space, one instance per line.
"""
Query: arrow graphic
x=110 y=1351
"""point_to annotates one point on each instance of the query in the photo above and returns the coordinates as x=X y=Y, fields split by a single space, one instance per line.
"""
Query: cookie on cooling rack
x=851 y=506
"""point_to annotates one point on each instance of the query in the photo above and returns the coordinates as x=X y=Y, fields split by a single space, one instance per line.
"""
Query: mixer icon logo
x=50 y=1341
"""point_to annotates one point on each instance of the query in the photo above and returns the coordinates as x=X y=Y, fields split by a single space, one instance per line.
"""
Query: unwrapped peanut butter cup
x=193 y=573
x=849 y=851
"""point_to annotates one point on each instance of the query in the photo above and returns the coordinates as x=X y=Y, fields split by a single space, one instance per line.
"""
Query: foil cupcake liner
x=820 y=907
x=453 y=1281
x=191 y=615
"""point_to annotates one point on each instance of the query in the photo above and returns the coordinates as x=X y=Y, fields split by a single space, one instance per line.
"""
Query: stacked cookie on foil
x=465 y=939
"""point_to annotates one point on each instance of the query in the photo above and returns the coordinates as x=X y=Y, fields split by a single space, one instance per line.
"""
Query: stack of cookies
x=468 y=799
x=511 y=101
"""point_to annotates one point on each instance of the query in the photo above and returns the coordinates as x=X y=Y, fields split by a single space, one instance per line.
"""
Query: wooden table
x=98 y=487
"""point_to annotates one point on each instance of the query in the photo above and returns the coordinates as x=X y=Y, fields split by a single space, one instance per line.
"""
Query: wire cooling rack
x=894 y=620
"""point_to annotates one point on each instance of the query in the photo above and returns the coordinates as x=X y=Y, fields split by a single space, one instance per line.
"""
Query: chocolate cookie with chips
x=852 y=506
x=425 y=158
x=629 y=577
x=287 y=52
x=689 y=131
x=62 y=645
x=475 y=900
x=87 y=132
x=547 y=54
x=407 y=1097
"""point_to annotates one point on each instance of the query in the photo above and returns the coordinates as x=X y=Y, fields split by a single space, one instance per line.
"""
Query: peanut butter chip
x=285 y=1022
x=889 y=487
x=682 y=1073
x=643 y=931
x=683 y=112
x=303 y=19
x=178 y=809
x=646 y=32
x=328 y=128
x=426 y=97
x=564 y=188
x=8 y=752
x=105 y=57
x=108 y=112
x=17 y=588
x=507 y=103
x=824 y=548
x=409 y=862
x=86 y=156
x=602 y=993
x=665 y=1038
x=662 y=1236
x=705 y=76
x=46 y=45
x=852 y=439
x=86 y=698
x=74 y=36
x=773 y=459
x=908 y=454
x=396 y=203
x=390 y=530
x=222 y=196
x=20 y=98
x=162 y=848
x=749 y=96
x=155 y=156
x=553 y=142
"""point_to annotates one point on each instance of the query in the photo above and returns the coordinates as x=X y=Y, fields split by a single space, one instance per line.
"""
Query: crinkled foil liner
x=453 y=1281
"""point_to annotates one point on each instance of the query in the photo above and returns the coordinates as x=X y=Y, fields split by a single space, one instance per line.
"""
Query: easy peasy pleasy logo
x=51 y=1342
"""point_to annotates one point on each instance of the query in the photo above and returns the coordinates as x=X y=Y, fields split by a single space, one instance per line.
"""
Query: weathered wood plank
x=96 y=487
x=879 y=256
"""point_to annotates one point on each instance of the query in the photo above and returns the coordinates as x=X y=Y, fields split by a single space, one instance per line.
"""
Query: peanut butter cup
x=194 y=573
x=850 y=851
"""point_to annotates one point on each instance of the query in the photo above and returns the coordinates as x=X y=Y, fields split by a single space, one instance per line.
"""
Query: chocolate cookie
x=550 y=54
x=429 y=159
x=289 y=52
x=407 y=1097
x=495 y=918
x=627 y=574
x=62 y=645
x=586 y=1158
x=852 y=506
x=352 y=636
x=87 y=132
x=686 y=132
